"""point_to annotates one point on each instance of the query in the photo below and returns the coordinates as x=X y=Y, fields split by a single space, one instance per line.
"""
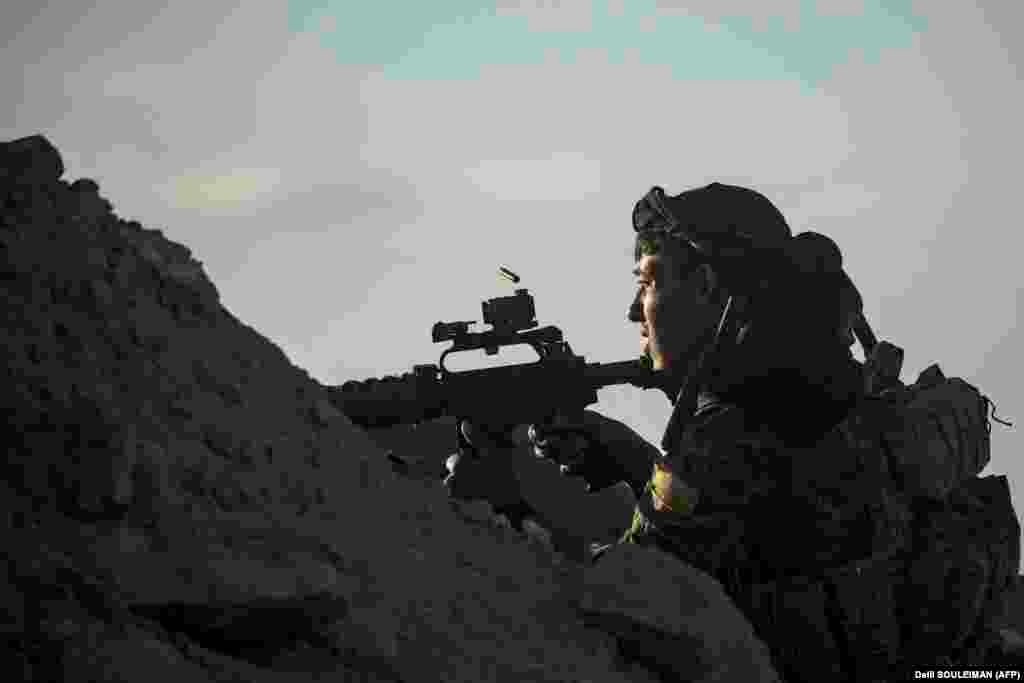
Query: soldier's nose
x=636 y=313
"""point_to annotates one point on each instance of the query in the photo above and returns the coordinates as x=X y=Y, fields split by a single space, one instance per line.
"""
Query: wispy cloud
x=224 y=191
x=561 y=177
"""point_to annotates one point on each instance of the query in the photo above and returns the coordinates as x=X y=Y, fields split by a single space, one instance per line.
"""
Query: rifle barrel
x=623 y=372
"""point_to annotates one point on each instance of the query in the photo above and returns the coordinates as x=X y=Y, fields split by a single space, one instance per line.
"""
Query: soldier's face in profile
x=672 y=309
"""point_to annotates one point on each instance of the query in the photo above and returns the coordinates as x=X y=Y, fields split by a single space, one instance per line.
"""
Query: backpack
x=936 y=430
x=947 y=578
x=934 y=546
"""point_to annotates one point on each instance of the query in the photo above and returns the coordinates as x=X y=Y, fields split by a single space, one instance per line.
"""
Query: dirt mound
x=182 y=503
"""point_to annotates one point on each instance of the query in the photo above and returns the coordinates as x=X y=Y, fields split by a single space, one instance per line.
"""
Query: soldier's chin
x=656 y=360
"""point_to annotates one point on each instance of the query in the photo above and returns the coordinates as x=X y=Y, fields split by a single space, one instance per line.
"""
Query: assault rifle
x=496 y=399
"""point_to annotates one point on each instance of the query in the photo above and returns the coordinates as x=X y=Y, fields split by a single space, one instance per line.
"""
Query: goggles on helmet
x=651 y=215
x=706 y=231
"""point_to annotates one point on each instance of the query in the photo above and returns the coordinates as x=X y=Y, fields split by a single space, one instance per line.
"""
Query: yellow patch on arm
x=670 y=493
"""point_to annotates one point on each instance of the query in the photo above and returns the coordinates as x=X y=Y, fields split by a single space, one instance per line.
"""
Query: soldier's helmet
x=748 y=241
x=734 y=228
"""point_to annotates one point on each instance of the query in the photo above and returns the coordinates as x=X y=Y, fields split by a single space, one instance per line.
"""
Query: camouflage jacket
x=839 y=569
x=775 y=524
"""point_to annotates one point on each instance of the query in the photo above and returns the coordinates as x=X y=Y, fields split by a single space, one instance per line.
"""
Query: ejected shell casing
x=508 y=274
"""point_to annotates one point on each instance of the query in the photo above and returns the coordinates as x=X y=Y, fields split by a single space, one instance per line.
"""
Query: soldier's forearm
x=563 y=504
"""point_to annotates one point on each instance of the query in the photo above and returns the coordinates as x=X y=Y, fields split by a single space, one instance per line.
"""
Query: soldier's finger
x=571 y=469
x=536 y=434
x=554 y=447
x=477 y=436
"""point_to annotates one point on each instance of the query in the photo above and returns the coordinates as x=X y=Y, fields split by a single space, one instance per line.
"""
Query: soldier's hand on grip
x=600 y=450
x=485 y=474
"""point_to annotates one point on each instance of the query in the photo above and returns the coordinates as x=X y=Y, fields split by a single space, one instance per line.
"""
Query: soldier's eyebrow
x=652 y=269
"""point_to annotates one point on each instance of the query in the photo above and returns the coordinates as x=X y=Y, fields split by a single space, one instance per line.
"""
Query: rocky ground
x=182 y=503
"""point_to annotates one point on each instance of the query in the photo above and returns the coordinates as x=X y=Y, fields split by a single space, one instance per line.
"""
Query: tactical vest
x=876 y=550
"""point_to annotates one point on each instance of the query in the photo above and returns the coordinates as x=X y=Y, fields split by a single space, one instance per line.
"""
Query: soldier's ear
x=709 y=285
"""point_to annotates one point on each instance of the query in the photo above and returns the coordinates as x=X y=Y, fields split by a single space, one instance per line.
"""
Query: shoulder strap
x=882 y=368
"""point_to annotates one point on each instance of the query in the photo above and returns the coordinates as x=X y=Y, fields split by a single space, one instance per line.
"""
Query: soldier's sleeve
x=693 y=506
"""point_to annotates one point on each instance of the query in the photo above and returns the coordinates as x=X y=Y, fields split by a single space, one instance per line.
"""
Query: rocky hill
x=182 y=503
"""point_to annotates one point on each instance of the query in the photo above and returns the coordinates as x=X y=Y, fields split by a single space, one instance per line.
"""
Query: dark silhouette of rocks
x=182 y=503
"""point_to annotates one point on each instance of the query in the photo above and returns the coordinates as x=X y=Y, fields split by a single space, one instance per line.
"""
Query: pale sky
x=351 y=173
